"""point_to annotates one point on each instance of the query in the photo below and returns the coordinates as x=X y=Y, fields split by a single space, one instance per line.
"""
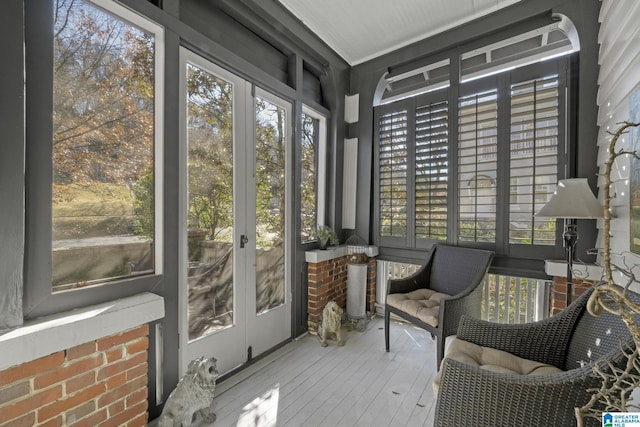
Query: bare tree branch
x=617 y=384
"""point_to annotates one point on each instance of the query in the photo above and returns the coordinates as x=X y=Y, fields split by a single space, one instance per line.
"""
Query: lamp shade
x=572 y=199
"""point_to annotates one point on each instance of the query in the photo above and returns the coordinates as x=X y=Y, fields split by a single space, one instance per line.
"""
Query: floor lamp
x=573 y=199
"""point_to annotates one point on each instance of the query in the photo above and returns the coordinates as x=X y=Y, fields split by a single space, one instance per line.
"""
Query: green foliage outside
x=477 y=231
x=501 y=287
x=308 y=188
x=210 y=131
x=143 y=205
x=106 y=210
x=102 y=144
x=270 y=177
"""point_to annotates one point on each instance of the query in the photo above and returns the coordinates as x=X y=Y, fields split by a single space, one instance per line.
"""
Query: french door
x=234 y=262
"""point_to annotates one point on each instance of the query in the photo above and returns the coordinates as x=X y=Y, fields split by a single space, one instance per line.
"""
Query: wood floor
x=359 y=384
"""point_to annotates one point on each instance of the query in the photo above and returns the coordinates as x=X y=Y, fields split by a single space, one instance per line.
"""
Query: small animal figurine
x=194 y=393
x=331 y=323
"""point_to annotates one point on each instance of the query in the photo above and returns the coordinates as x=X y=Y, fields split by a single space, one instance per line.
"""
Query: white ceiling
x=359 y=30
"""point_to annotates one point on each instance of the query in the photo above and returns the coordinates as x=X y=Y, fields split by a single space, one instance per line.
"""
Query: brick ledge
x=318 y=255
x=46 y=335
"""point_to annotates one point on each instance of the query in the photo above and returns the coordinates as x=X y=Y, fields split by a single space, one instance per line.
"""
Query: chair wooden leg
x=387 y=316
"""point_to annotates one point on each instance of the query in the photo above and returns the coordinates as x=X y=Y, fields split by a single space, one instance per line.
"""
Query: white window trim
x=321 y=173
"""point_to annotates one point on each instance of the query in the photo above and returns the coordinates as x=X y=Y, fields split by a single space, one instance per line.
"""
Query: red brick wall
x=100 y=383
x=327 y=280
x=372 y=272
x=559 y=292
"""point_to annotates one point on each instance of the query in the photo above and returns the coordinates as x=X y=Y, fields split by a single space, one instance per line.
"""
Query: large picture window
x=94 y=162
x=103 y=200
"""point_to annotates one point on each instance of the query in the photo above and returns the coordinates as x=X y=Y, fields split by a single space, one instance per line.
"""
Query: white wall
x=619 y=77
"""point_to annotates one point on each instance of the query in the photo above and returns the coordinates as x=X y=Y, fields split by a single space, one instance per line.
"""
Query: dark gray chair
x=446 y=286
x=572 y=341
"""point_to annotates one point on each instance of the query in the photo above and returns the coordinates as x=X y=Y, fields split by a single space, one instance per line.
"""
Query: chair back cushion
x=596 y=338
x=455 y=269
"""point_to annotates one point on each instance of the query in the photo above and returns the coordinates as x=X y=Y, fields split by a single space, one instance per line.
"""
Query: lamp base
x=570 y=239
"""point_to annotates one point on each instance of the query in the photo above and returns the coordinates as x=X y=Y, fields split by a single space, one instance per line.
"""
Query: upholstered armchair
x=493 y=384
x=446 y=286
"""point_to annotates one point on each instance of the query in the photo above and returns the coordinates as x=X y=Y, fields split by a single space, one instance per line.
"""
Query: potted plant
x=326 y=236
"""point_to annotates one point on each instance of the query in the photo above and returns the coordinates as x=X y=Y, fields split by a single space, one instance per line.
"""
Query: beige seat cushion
x=421 y=303
x=493 y=360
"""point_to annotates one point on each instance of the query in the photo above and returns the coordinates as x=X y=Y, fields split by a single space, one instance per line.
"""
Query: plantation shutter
x=393 y=173
x=533 y=159
x=431 y=170
x=477 y=166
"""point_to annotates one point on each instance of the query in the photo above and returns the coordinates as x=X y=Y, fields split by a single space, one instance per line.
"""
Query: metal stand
x=570 y=239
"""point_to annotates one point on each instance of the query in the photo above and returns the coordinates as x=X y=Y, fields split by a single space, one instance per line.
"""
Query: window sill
x=558 y=268
x=43 y=336
x=333 y=252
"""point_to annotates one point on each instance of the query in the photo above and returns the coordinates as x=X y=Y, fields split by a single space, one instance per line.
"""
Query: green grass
x=94 y=210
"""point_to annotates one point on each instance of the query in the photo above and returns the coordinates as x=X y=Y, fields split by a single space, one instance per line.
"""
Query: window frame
x=321 y=168
x=407 y=105
x=502 y=82
x=39 y=298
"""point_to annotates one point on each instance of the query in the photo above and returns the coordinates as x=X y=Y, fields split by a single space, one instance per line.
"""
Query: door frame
x=257 y=340
x=239 y=165
x=244 y=98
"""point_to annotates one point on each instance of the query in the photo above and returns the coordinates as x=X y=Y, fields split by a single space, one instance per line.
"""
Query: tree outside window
x=308 y=184
x=103 y=225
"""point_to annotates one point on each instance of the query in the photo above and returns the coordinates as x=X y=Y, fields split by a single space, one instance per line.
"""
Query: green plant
x=143 y=205
x=326 y=236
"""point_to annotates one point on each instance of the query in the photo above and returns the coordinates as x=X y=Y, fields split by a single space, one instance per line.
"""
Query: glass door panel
x=268 y=207
x=212 y=214
x=270 y=161
x=210 y=202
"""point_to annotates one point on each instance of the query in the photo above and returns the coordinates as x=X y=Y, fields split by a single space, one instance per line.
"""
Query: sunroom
x=168 y=166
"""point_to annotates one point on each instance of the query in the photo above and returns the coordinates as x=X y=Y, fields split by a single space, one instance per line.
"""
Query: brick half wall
x=327 y=280
x=559 y=292
x=100 y=383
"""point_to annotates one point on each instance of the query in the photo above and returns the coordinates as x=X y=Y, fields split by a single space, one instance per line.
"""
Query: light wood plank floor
x=359 y=384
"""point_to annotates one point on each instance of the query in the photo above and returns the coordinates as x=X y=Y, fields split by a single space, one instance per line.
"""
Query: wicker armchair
x=451 y=277
x=571 y=341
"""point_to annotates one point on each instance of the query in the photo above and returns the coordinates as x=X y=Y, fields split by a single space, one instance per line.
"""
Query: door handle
x=243 y=240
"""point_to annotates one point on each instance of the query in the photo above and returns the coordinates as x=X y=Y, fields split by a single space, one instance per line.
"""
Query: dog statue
x=194 y=393
x=331 y=323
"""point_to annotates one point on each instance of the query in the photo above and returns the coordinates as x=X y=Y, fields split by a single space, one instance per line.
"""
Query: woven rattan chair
x=571 y=341
x=445 y=287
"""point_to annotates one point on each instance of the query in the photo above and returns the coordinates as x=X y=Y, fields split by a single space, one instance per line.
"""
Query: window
x=477 y=166
x=94 y=153
x=533 y=158
x=103 y=201
x=311 y=173
x=432 y=170
x=506 y=161
x=393 y=172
